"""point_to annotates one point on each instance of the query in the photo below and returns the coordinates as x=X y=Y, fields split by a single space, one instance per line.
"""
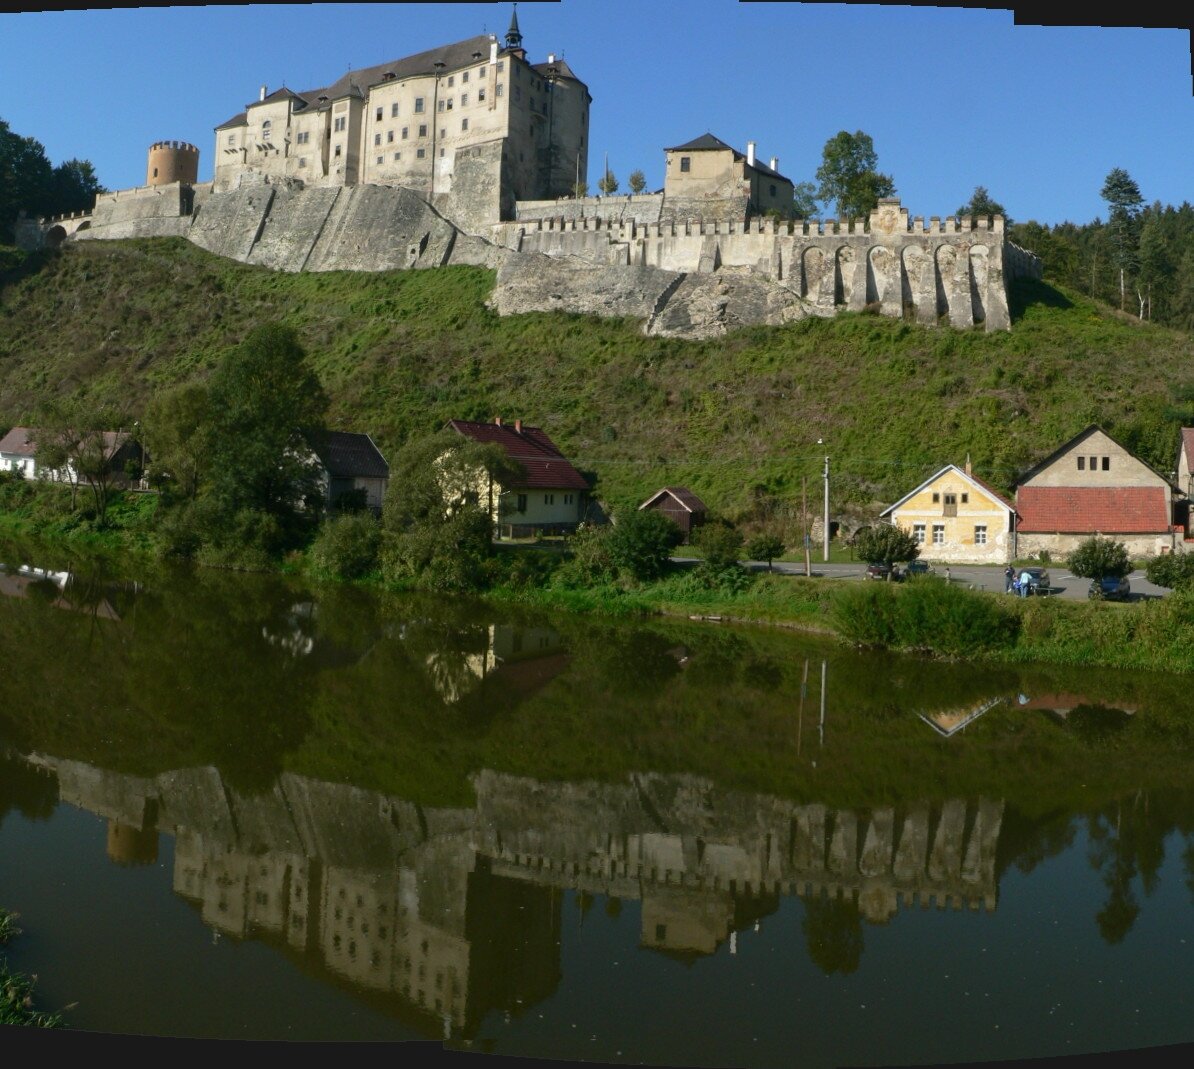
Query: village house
x=706 y=173
x=18 y=453
x=957 y=518
x=680 y=505
x=352 y=465
x=1092 y=486
x=1184 y=469
x=551 y=497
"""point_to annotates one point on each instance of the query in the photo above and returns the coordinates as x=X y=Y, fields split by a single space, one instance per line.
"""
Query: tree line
x=29 y=183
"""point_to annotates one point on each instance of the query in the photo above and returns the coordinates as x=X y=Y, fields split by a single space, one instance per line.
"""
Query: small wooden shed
x=680 y=504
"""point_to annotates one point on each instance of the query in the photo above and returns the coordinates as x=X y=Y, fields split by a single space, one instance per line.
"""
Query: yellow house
x=957 y=518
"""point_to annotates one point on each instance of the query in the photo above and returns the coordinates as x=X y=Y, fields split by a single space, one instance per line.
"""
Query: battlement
x=176 y=146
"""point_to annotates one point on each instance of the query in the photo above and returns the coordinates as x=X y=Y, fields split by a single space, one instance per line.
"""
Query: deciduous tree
x=885 y=543
x=1096 y=558
x=637 y=181
x=848 y=177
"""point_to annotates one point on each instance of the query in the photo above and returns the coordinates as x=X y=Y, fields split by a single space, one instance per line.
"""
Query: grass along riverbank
x=16 y=990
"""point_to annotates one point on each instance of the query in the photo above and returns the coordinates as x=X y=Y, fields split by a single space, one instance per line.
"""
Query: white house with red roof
x=957 y=518
x=552 y=497
x=18 y=453
x=1092 y=486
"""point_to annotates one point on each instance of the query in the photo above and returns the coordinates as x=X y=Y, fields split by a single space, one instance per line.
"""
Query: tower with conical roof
x=514 y=34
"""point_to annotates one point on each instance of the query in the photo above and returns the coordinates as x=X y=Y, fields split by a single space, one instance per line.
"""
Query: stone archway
x=55 y=236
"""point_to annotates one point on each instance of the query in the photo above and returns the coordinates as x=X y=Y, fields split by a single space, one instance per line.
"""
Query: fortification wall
x=634 y=207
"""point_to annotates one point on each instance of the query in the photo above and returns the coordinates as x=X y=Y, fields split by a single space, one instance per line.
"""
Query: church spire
x=514 y=34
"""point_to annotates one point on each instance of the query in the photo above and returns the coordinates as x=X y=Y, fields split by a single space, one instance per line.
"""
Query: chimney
x=775 y=163
x=497 y=420
x=518 y=426
x=750 y=152
x=262 y=97
x=492 y=49
x=968 y=471
x=551 y=57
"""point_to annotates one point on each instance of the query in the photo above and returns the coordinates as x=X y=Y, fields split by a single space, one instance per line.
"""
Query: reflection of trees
x=1126 y=841
x=24 y=788
x=833 y=930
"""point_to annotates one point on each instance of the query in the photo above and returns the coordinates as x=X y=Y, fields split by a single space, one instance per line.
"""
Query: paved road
x=975 y=577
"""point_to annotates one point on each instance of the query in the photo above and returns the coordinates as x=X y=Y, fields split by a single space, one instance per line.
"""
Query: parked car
x=1110 y=588
x=880 y=571
x=1038 y=579
x=917 y=567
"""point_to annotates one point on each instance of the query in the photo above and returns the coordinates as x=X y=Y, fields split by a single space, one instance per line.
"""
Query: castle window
x=463 y=125
x=389 y=137
x=443 y=132
x=378 y=115
x=377 y=139
x=518 y=92
x=443 y=105
x=449 y=103
x=464 y=77
x=337 y=150
x=423 y=130
x=464 y=100
x=421 y=153
x=302 y=161
x=405 y=132
x=155 y=172
x=418 y=103
x=501 y=65
x=394 y=111
x=441 y=153
x=480 y=95
x=451 y=80
x=303 y=137
x=397 y=156
x=381 y=159
x=498 y=91
x=232 y=139
x=685 y=163
x=339 y=123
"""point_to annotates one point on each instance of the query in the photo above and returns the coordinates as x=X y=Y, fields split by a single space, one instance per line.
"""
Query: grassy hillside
x=737 y=419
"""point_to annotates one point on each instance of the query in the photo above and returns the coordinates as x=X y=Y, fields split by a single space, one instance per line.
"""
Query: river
x=246 y=807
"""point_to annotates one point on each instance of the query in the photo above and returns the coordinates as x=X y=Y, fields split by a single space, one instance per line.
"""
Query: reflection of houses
x=523 y=659
x=456 y=912
x=26 y=581
x=947 y=722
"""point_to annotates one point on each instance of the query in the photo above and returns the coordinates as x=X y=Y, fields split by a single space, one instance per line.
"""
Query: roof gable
x=984 y=487
x=1069 y=446
x=545 y=466
x=349 y=455
x=706 y=142
x=681 y=494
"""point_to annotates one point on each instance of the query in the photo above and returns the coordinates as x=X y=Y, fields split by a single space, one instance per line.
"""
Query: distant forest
x=1156 y=251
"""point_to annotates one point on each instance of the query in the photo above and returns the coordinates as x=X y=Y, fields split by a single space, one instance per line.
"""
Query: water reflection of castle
x=457 y=911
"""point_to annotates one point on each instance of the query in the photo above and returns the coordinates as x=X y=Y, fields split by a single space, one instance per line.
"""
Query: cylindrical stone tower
x=172 y=161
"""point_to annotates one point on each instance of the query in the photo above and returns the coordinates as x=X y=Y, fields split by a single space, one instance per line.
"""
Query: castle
x=470 y=153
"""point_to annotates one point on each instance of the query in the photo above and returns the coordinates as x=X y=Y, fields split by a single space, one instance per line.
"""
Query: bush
x=720 y=542
x=641 y=544
x=1095 y=558
x=885 y=544
x=1172 y=570
x=590 y=561
x=765 y=547
x=346 y=547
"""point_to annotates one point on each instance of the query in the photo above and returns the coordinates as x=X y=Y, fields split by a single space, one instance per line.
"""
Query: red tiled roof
x=546 y=467
x=1093 y=509
x=991 y=490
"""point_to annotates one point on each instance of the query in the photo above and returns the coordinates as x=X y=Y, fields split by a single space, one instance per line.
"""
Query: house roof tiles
x=349 y=455
x=1093 y=509
x=682 y=494
x=709 y=142
x=546 y=467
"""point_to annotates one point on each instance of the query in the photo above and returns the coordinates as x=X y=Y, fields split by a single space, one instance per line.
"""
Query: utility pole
x=808 y=563
x=825 y=532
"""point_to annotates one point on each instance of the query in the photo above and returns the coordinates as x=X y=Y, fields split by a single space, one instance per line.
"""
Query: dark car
x=917 y=567
x=1110 y=588
x=880 y=571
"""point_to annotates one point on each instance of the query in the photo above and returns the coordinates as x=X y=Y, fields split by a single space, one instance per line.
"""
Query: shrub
x=590 y=561
x=641 y=543
x=885 y=544
x=347 y=547
x=1172 y=570
x=765 y=547
x=1095 y=558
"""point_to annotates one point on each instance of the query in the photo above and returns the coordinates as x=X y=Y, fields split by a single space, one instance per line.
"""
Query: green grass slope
x=735 y=418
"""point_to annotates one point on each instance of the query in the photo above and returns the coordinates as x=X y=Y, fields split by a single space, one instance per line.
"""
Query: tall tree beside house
x=176 y=431
x=848 y=177
x=267 y=406
x=437 y=516
x=804 y=200
x=1124 y=201
x=78 y=441
x=885 y=544
x=637 y=181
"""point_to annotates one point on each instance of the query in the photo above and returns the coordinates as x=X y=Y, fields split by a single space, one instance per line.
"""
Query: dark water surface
x=242 y=807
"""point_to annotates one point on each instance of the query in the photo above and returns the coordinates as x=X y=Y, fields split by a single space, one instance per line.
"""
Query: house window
x=421 y=154
x=685 y=163
x=522 y=503
x=918 y=533
x=304 y=137
x=394 y=111
x=980 y=534
x=567 y=499
x=936 y=499
x=549 y=499
x=1094 y=463
x=232 y=139
x=463 y=125
x=773 y=191
x=418 y=103
x=1106 y=463
x=501 y=65
x=378 y=115
x=1082 y=463
x=951 y=505
x=938 y=534
x=423 y=130
x=338 y=125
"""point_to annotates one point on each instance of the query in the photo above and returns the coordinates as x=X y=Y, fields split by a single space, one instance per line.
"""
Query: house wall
x=1124 y=469
x=679 y=515
x=959 y=534
x=564 y=507
x=1137 y=545
x=19 y=462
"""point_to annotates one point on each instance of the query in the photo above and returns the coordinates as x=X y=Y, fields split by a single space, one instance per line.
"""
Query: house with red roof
x=551 y=496
x=1091 y=486
x=956 y=518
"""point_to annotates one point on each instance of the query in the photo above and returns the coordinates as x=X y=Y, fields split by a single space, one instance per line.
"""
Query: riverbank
x=16 y=990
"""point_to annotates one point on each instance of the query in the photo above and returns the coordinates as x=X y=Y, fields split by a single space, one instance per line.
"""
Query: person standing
x=1009 y=579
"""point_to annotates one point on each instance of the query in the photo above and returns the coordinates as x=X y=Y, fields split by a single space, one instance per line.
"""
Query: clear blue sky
x=953 y=98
